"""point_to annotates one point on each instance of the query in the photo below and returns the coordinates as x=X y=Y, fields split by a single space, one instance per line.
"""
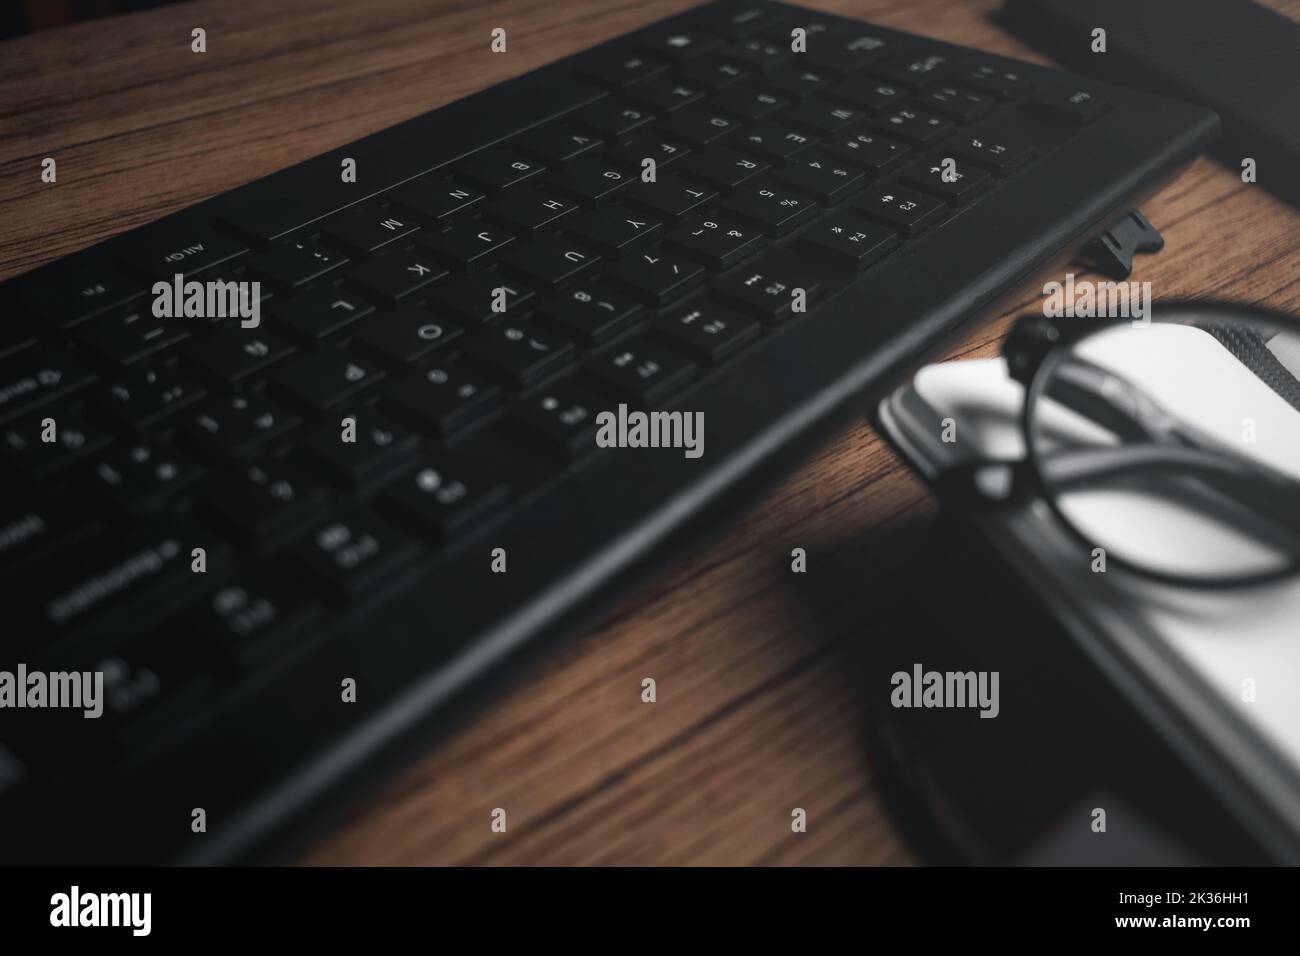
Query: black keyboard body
x=776 y=171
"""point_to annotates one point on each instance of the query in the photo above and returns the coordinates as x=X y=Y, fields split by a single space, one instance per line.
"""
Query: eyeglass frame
x=1027 y=348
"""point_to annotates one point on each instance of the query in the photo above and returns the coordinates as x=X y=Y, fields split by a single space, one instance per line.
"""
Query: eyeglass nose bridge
x=1027 y=344
x=983 y=485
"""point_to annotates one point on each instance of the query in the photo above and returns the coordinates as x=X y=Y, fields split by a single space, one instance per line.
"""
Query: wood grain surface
x=760 y=705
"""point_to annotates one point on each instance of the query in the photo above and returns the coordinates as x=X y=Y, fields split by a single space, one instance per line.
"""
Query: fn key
x=348 y=555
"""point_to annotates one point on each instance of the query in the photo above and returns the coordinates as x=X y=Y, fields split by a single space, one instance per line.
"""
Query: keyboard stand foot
x=1112 y=252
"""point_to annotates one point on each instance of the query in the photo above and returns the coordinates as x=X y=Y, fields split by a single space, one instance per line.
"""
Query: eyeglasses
x=1169 y=448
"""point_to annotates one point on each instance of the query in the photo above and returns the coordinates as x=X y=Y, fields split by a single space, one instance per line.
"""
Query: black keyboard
x=498 y=274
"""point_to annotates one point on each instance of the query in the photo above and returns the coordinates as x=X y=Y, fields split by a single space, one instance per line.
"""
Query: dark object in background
x=1238 y=58
x=1066 y=740
x=17 y=19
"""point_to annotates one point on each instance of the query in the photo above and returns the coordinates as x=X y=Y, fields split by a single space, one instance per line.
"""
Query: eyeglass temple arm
x=1243 y=484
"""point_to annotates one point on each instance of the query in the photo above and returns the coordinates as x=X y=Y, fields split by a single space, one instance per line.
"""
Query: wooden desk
x=759 y=707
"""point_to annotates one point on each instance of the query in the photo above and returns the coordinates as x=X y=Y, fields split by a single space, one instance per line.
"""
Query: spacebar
x=281 y=202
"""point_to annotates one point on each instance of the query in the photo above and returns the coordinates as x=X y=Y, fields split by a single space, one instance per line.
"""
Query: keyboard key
x=706 y=331
x=749 y=102
x=739 y=20
x=700 y=125
x=916 y=72
x=296 y=263
x=46 y=443
x=906 y=210
x=116 y=577
x=721 y=167
x=991 y=148
x=819 y=31
x=363 y=228
x=868 y=93
x=325 y=380
x=432 y=199
x=315 y=315
x=968 y=180
x=664 y=94
x=560 y=420
x=848 y=244
x=391 y=278
x=498 y=169
x=263 y=501
x=713 y=74
x=555 y=143
x=639 y=372
x=549 y=264
x=447 y=493
x=612 y=229
x=874 y=152
x=913 y=125
x=139 y=398
x=773 y=208
x=670 y=199
x=348 y=556
x=66 y=293
x=233 y=426
x=589 y=313
x=759 y=54
x=467 y=242
x=797 y=81
x=250 y=617
x=772 y=142
x=620 y=69
x=405 y=337
x=718 y=243
x=162 y=251
x=678 y=44
x=444 y=400
x=647 y=143
x=594 y=177
x=380 y=450
x=823 y=118
x=33 y=531
x=766 y=287
x=124 y=337
x=612 y=117
x=518 y=353
x=849 y=52
x=13 y=339
x=235 y=356
x=480 y=297
x=994 y=80
x=150 y=686
x=526 y=211
x=1076 y=105
x=655 y=277
x=138 y=478
x=272 y=206
x=957 y=103
x=30 y=379
x=823 y=177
